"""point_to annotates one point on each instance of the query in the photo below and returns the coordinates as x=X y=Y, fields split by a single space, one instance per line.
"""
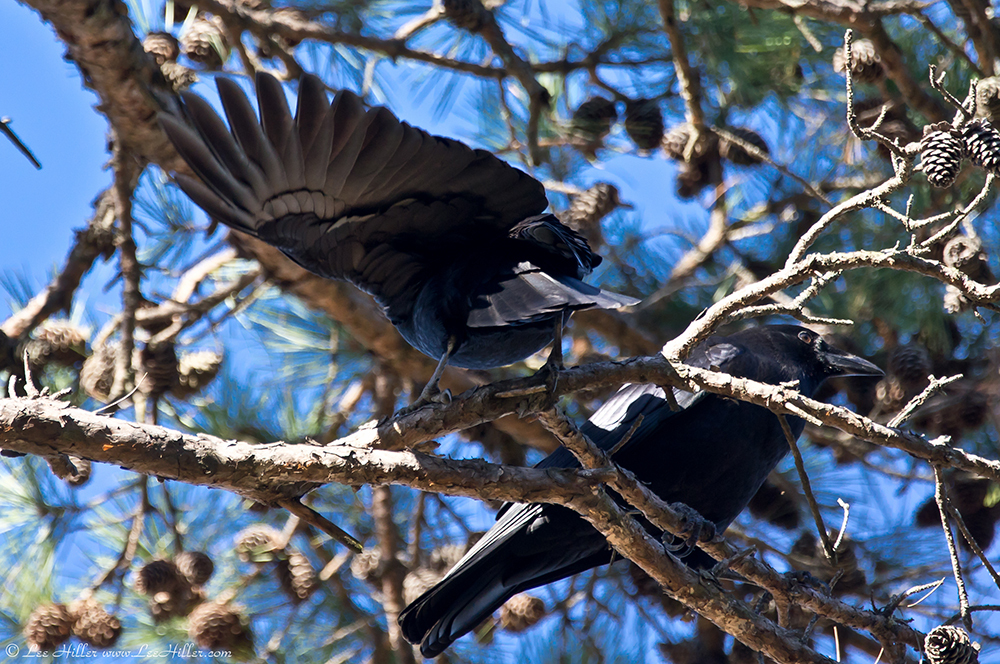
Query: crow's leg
x=431 y=392
x=554 y=363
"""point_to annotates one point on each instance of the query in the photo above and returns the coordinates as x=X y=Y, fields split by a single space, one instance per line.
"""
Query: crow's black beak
x=842 y=363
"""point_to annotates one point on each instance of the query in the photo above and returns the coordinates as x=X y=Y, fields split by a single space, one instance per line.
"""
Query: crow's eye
x=806 y=337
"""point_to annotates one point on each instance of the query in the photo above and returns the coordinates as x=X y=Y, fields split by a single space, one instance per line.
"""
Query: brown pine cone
x=911 y=365
x=163 y=46
x=736 y=153
x=205 y=43
x=982 y=144
x=988 y=99
x=257 y=543
x=219 y=626
x=521 y=612
x=71 y=469
x=297 y=577
x=941 y=152
x=365 y=565
x=195 y=566
x=164 y=606
x=589 y=208
x=158 y=576
x=159 y=365
x=56 y=342
x=97 y=376
x=93 y=625
x=418 y=582
x=866 y=65
x=468 y=15
x=776 y=506
x=195 y=371
x=592 y=120
x=443 y=558
x=644 y=123
x=178 y=76
x=48 y=627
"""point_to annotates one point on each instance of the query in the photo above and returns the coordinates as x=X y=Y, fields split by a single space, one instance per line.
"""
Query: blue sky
x=53 y=114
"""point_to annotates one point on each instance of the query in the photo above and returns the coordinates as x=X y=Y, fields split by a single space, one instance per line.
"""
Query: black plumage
x=451 y=241
x=712 y=454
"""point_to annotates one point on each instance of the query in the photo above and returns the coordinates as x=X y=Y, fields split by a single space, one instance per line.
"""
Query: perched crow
x=713 y=454
x=449 y=240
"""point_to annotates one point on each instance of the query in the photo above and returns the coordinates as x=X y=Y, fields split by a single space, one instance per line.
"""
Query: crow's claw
x=696 y=529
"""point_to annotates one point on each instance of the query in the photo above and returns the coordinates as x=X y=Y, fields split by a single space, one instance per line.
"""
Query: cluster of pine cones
x=943 y=149
x=262 y=545
x=51 y=625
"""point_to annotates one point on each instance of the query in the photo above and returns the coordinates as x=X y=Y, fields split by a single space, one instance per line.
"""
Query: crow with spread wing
x=451 y=241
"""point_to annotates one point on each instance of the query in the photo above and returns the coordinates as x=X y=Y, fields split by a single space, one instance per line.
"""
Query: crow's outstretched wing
x=346 y=192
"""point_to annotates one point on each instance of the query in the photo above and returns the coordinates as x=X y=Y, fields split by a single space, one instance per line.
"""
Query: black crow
x=450 y=241
x=712 y=455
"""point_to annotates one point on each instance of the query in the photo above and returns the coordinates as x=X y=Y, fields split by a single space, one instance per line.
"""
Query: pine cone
x=159 y=365
x=736 y=154
x=692 y=178
x=163 y=46
x=167 y=605
x=592 y=120
x=941 y=154
x=256 y=543
x=776 y=506
x=195 y=371
x=866 y=65
x=98 y=373
x=954 y=301
x=48 y=627
x=218 y=626
x=205 y=43
x=443 y=558
x=93 y=625
x=178 y=76
x=982 y=526
x=71 y=469
x=365 y=565
x=966 y=253
x=521 y=612
x=158 y=576
x=644 y=123
x=988 y=99
x=56 y=342
x=675 y=141
x=297 y=577
x=195 y=566
x=896 y=125
x=468 y=15
x=418 y=582
x=589 y=208
x=982 y=144
x=911 y=365
x=947 y=644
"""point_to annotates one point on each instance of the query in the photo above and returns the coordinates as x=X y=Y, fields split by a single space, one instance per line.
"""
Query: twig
x=843 y=525
x=800 y=466
x=317 y=520
x=941 y=498
x=973 y=544
x=765 y=157
x=896 y=600
x=916 y=402
x=124 y=166
x=18 y=143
